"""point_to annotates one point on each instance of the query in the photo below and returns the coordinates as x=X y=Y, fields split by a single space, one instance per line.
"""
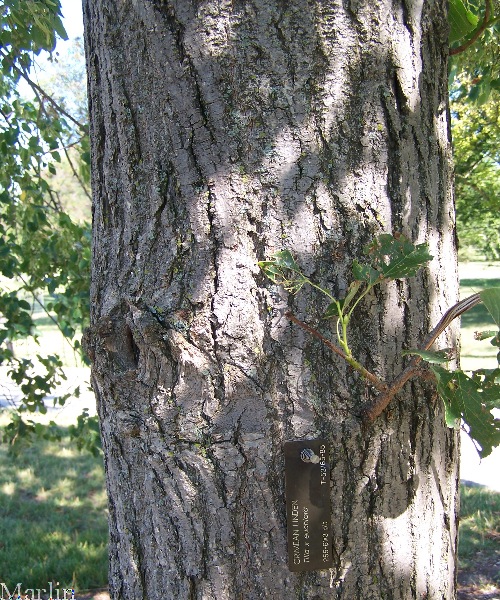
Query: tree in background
x=474 y=95
x=42 y=250
x=64 y=79
x=476 y=131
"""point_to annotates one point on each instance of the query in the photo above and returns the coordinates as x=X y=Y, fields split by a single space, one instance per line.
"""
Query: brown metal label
x=307 y=485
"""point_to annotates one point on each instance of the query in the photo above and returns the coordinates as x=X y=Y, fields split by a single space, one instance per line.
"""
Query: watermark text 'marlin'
x=36 y=593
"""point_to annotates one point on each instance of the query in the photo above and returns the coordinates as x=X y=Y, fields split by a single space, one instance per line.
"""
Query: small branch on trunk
x=373 y=379
x=373 y=410
x=387 y=392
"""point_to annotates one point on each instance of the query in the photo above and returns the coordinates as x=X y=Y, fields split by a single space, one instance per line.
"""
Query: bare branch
x=75 y=173
x=43 y=93
x=373 y=410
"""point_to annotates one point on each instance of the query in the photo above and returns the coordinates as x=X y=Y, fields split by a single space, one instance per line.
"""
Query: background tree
x=42 y=250
x=474 y=94
x=221 y=133
x=476 y=131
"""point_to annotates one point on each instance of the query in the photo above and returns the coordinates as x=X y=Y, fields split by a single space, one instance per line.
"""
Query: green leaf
x=484 y=91
x=469 y=399
x=351 y=294
x=364 y=273
x=485 y=335
x=462 y=20
x=396 y=257
x=487 y=378
x=59 y=28
x=282 y=269
x=491 y=299
x=332 y=311
x=495 y=341
x=24 y=305
x=285 y=260
x=271 y=271
x=437 y=357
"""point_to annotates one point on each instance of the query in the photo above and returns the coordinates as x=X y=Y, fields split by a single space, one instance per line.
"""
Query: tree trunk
x=222 y=132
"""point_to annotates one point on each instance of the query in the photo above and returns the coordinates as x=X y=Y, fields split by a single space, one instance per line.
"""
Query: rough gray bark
x=223 y=131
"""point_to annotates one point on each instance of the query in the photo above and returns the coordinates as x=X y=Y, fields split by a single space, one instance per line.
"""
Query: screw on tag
x=308 y=456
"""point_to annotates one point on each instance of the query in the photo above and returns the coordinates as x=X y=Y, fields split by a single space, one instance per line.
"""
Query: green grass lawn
x=475 y=277
x=53 y=517
x=479 y=541
x=479 y=532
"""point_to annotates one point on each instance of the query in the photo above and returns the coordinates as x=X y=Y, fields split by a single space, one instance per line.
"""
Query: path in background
x=476 y=276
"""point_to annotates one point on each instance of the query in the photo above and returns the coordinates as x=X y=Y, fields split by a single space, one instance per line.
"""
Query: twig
x=75 y=173
x=477 y=33
x=36 y=87
x=373 y=379
x=47 y=313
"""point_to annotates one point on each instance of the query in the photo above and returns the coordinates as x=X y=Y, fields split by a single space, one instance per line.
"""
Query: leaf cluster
x=20 y=432
x=476 y=133
x=474 y=72
x=28 y=27
x=463 y=21
x=391 y=257
x=472 y=397
x=469 y=398
x=387 y=257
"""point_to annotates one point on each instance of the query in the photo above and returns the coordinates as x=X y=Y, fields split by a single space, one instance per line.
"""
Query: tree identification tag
x=307 y=489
